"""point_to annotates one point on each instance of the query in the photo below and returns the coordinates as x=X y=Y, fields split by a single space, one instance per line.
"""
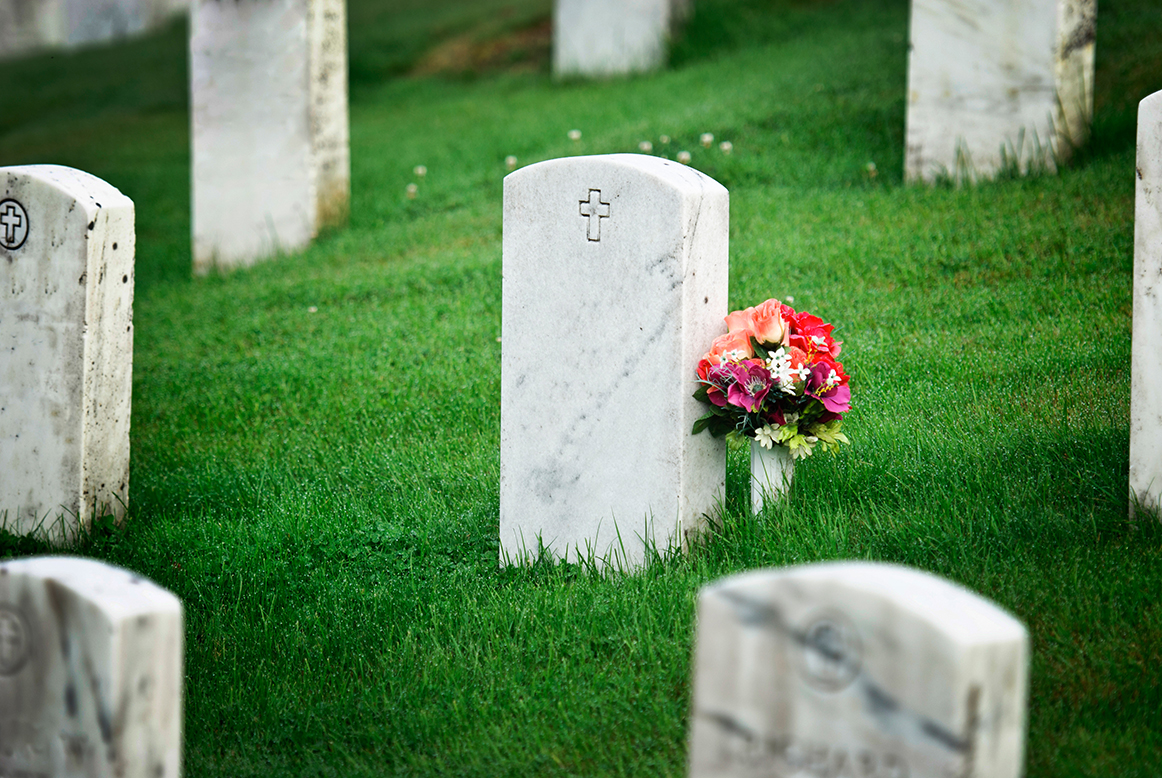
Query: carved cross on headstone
x=596 y=210
x=15 y=224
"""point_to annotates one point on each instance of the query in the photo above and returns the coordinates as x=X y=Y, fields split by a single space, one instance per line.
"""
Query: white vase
x=771 y=470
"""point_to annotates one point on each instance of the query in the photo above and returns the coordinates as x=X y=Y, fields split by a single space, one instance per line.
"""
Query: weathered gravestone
x=615 y=277
x=856 y=669
x=31 y=25
x=90 y=672
x=1146 y=359
x=66 y=348
x=997 y=85
x=271 y=159
x=612 y=37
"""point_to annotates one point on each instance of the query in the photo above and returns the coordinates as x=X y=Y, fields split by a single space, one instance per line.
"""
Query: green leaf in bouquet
x=759 y=349
x=701 y=393
x=702 y=423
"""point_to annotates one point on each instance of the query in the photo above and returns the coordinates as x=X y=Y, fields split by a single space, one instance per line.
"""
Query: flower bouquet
x=774 y=377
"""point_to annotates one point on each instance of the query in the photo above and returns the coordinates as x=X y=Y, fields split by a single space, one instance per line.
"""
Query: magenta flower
x=834 y=398
x=752 y=381
x=720 y=378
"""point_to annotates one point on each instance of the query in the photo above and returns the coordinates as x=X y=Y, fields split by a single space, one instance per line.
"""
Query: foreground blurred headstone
x=90 y=672
x=27 y=26
x=855 y=669
x=612 y=37
x=1146 y=353
x=271 y=160
x=615 y=276
x=997 y=85
x=66 y=348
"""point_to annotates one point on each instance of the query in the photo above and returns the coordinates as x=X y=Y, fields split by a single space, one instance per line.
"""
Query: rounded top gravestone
x=90 y=671
x=66 y=348
x=615 y=274
x=856 y=668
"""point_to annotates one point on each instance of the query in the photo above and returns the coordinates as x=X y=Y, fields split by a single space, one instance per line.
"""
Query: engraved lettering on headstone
x=595 y=209
x=831 y=653
x=14 y=642
x=13 y=225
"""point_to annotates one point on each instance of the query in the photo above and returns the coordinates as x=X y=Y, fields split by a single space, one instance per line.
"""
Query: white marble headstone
x=855 y=669
x=611 y=37
x=30 y=25
x=90 y=672
x=66 y=348
x=996 y=79
x=615 y=284
x=271 y=159
x=1146 y=354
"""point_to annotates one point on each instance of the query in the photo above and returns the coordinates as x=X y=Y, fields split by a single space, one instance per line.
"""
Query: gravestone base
x=997 y=86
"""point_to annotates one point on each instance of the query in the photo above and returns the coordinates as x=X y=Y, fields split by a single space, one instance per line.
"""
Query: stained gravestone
x=612 y=37
x=271 y=160
x=615 y=280
x=856 y=669
x=997 y=85
x=1146 y=359
x=27 y=26
x=90 y=672
x=66 y=348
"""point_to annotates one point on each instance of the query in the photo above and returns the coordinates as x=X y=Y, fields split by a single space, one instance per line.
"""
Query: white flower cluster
x=779 y=363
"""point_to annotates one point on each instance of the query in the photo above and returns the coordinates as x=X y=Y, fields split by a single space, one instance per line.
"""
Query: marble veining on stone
x=90 y=672
x=66 y=348
x=271 y=160
x=615 y=276
x=855 y=668
x=1146 y=352
x=997 y=85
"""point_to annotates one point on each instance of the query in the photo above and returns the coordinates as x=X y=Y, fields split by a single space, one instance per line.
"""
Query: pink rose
x=765 y=322
x=732 y=345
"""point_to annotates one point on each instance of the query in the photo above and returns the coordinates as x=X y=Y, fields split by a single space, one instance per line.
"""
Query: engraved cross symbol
x=596 y=210
x=14 y=221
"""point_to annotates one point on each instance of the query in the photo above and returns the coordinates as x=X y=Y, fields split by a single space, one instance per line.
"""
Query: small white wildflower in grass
x=510 y=162
x=646 y=146
x=707 y=139
x=684 y=157
x=412 y=191
x=871 y=170
x=790 y=299
x=664 y=139
x=312 y=309
x=420 y=171
x=574 y=135
x=726 y=147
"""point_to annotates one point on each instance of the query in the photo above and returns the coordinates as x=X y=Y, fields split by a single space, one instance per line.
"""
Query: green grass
x=321 y=489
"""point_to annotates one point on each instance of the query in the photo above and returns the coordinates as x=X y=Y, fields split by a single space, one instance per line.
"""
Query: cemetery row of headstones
x=993 y=85
x=829 y=670
x=27 y=26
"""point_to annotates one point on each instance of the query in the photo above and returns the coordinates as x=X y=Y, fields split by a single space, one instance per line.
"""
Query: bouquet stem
x=771 y=470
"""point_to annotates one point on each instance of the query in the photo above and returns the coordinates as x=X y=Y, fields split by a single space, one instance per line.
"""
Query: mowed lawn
x=315 y=440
